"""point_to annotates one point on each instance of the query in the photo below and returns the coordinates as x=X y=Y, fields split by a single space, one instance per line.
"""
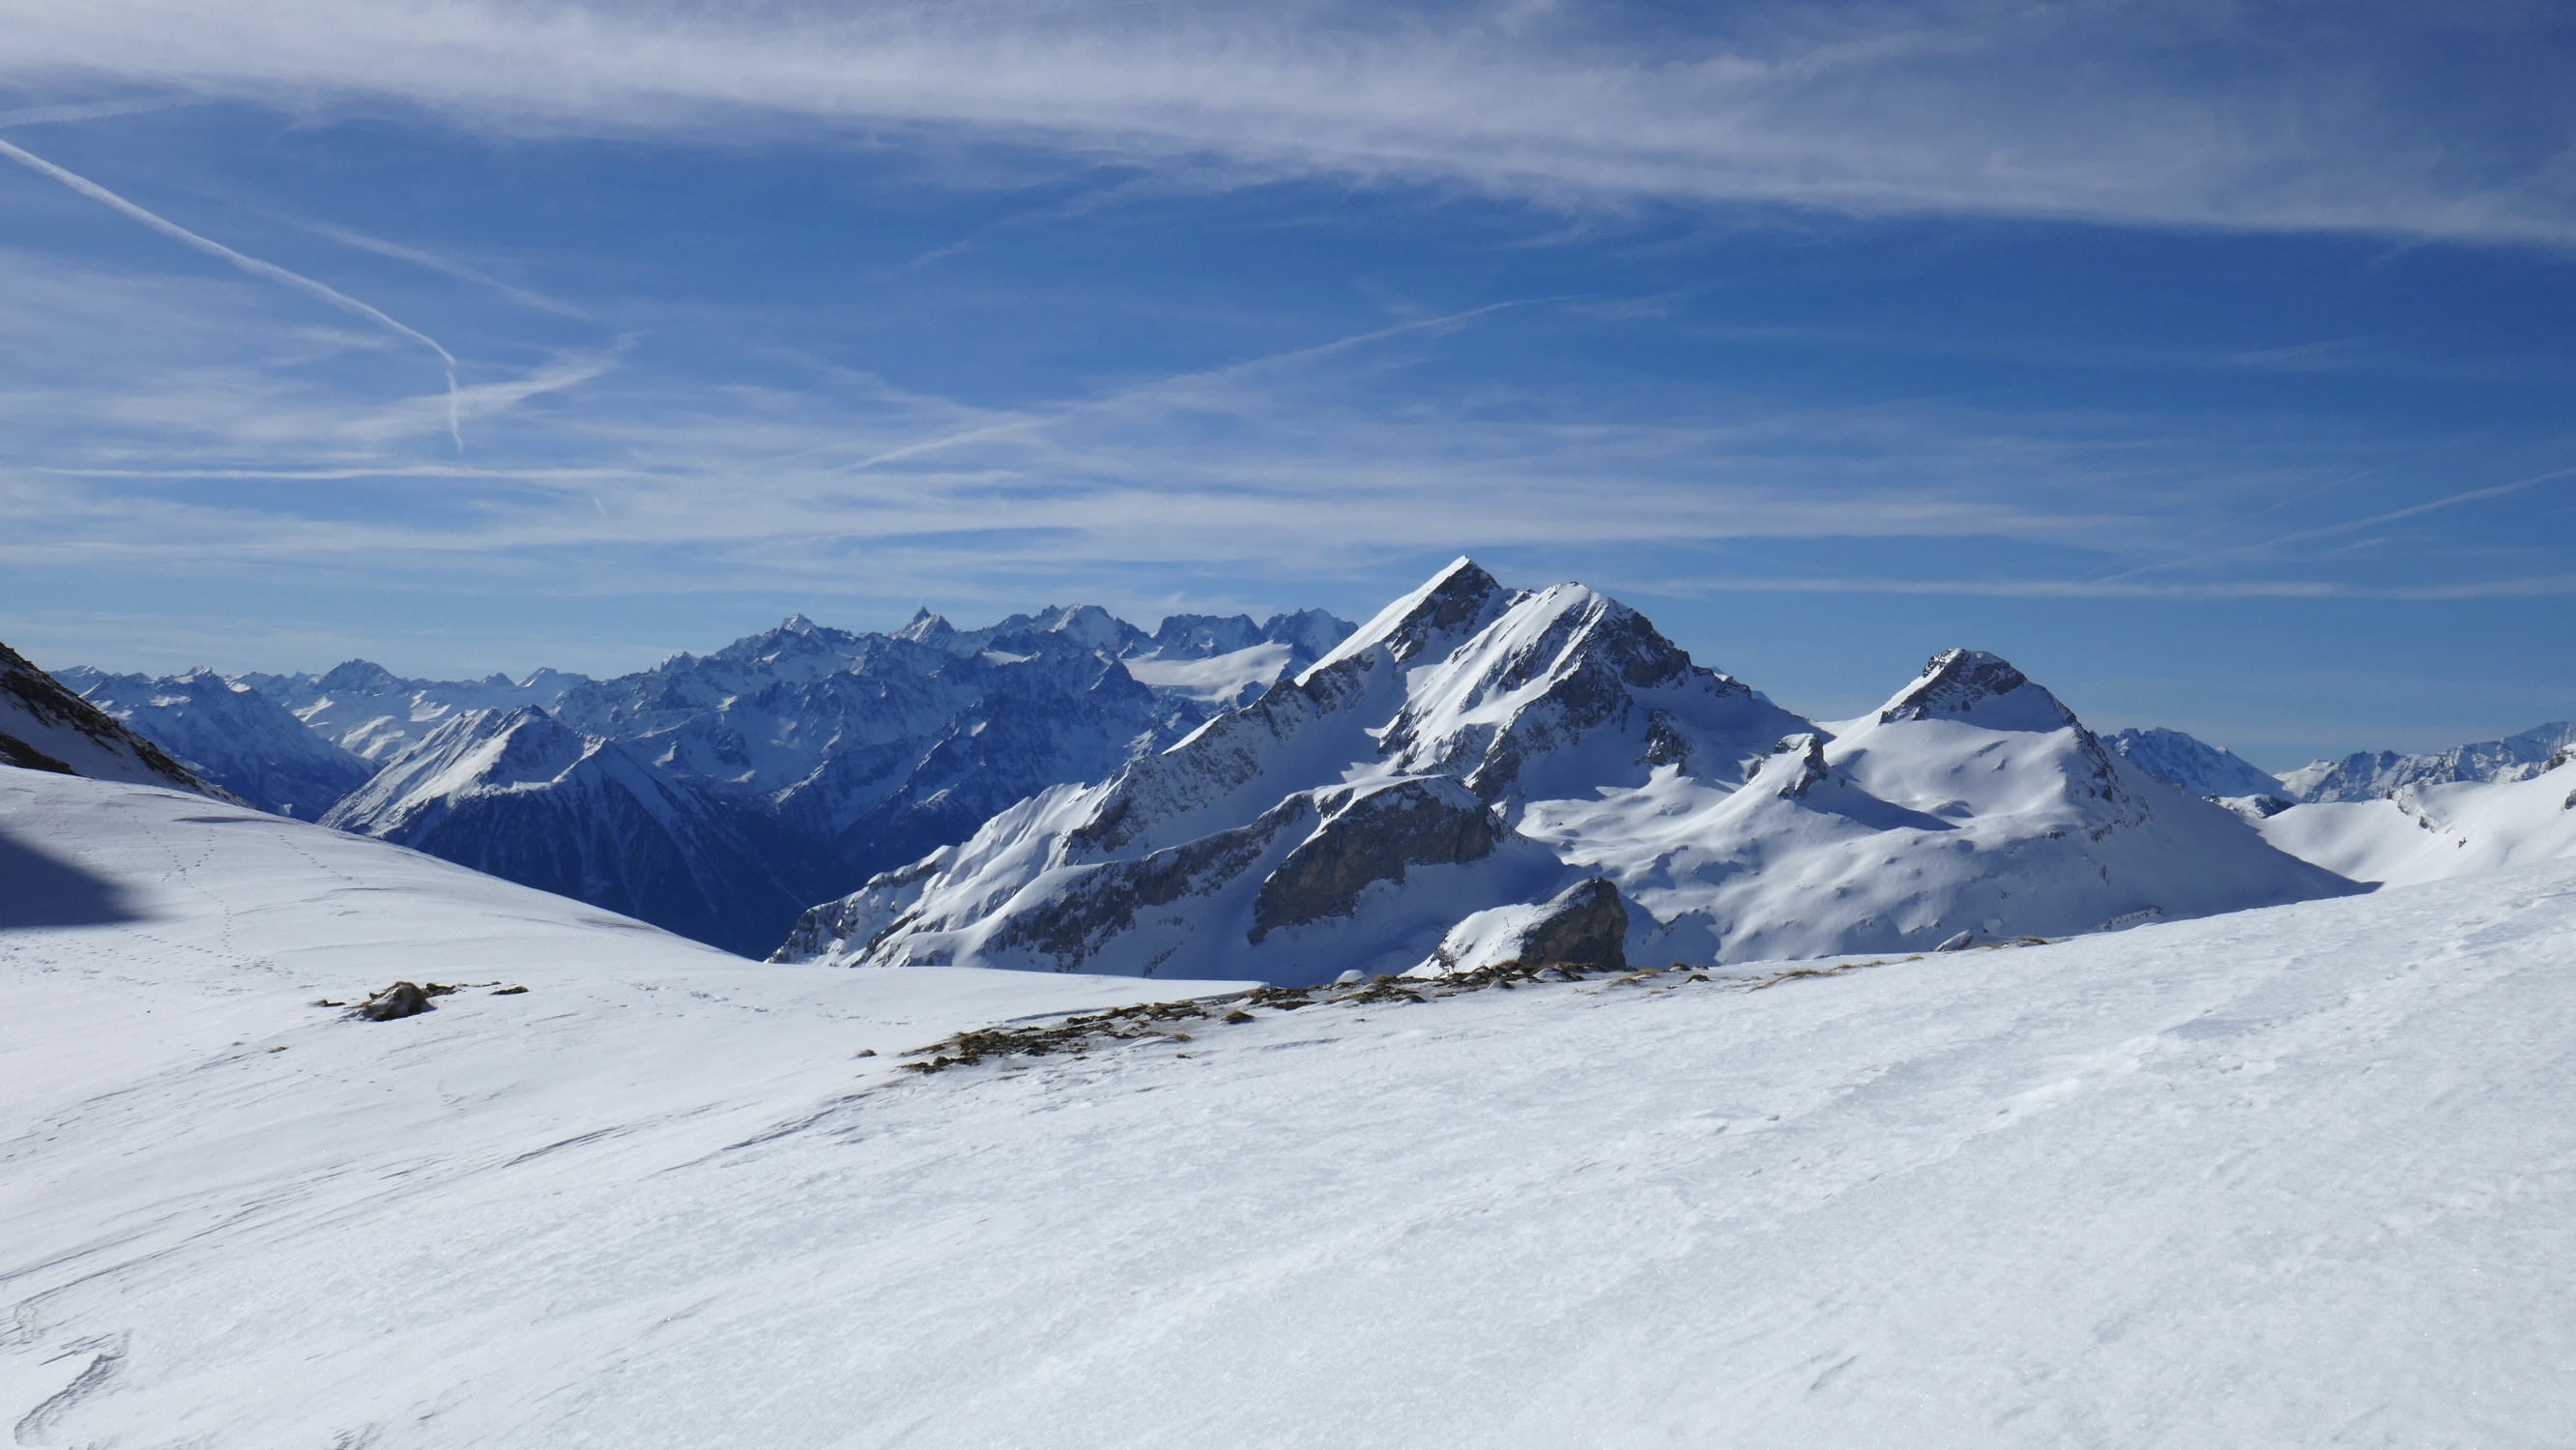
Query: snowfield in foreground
x=2298 y=1176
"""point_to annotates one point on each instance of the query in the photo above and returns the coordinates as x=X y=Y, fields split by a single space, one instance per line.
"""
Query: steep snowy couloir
x=1412 y=798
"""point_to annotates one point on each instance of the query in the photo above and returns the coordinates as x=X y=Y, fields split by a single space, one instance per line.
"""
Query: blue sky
x=2213 y=362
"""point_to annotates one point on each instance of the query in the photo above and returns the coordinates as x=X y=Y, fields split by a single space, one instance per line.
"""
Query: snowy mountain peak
x=1455 y=603
x=797 y=623
x=1983 y=688
x=1092 y=627
x=925 y=628
x=362 y=676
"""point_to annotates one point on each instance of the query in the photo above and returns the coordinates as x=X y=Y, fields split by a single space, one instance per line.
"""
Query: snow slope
x=2368 y=776
x=229 y=733
x=1473 y=750
x=2303 y=1176
x=44 y=726
x=2196 y=766
x=2427 y=831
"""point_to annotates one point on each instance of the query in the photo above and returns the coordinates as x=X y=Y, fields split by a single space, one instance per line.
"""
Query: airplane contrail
x=252 y=265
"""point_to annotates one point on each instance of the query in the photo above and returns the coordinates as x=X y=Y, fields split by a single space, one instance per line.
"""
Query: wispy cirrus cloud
x=2266 y=116
x=256 y=267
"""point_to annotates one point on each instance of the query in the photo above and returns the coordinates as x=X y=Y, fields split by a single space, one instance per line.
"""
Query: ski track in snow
x=2299 y=1176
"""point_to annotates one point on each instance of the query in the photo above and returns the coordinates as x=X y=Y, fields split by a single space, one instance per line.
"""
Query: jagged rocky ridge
x=1411 y=799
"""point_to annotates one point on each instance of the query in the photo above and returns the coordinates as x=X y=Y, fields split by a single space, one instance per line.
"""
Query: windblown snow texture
x=2203 y=769
x=44 y=726
x=1473 y=749
x=2288 y=1178
x=2368 y=776
x=230 y=734
x=517 y=795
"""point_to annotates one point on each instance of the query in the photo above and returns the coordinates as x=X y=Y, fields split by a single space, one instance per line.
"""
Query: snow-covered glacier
x=1473 y=750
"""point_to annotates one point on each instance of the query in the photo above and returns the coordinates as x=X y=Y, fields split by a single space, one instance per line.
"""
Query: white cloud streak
x=252 y=265
x=449 y=267
x=2182 y=114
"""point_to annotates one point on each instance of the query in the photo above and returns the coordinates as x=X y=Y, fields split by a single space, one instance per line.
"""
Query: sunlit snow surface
x=2302 y=1176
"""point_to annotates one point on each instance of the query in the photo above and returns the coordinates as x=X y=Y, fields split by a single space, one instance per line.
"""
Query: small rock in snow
x=402 y=999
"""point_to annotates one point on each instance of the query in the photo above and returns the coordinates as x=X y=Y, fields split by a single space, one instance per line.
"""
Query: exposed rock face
x=1583 y=925
x=44 y=726
x=1370 y=839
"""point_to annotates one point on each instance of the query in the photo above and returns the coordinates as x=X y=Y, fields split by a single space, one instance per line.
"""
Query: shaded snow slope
x=2426 y=831
x=45 y=727
x=1473 y=750
x=2295 y=1177
x=516 y=794
x=2368 y=776
x=375 y=714
x=2196 y=766
x=229 y=733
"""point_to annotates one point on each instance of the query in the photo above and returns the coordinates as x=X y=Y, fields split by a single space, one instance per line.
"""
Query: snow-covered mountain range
x=231 y=734
x=720 y=795
x=1476 y=765
x=1475 y=775
x=2370 y=775
x=375 y=714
